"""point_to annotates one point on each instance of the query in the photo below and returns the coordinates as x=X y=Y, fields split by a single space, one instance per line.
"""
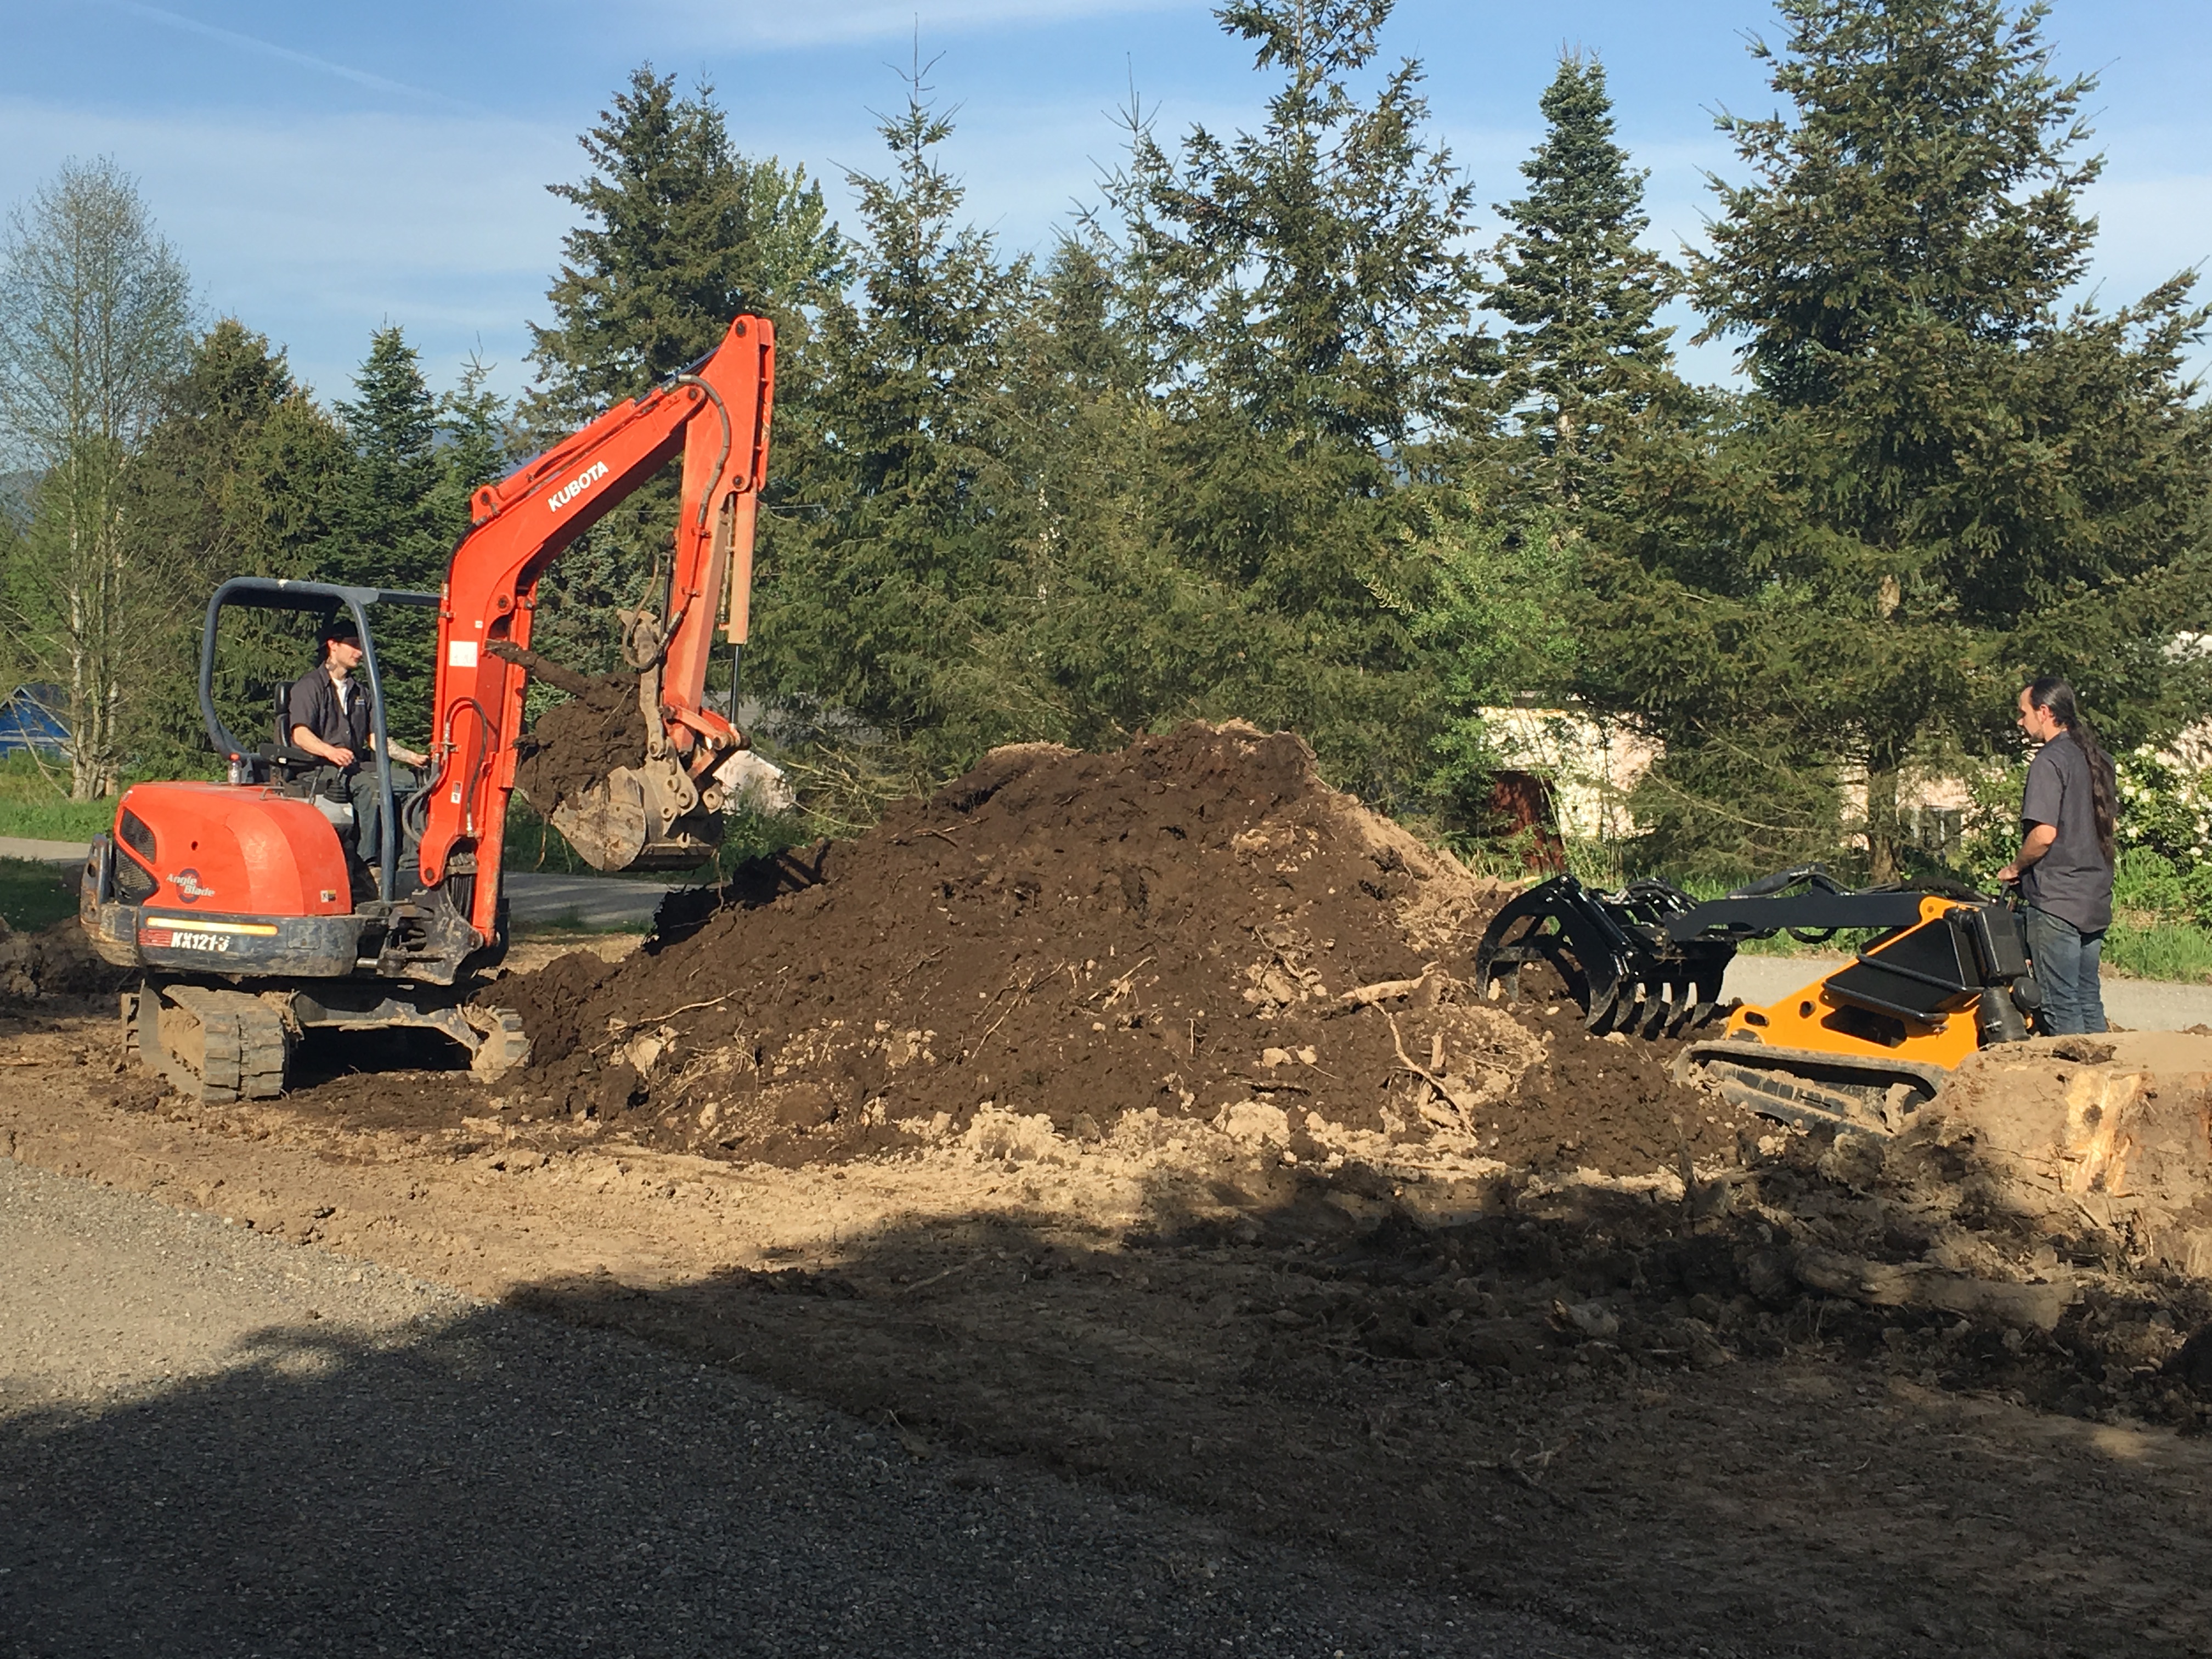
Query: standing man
x=2065 y=864
x=327 y=716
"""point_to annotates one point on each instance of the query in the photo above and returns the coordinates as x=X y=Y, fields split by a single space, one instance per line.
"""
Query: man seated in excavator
x=326 y=714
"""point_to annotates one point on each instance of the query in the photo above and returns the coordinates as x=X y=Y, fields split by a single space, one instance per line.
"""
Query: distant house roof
x=31 y=718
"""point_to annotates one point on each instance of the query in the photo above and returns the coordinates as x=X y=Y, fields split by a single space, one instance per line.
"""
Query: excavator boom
x=717 y=414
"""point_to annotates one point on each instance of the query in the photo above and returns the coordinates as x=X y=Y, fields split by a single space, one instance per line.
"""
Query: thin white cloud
x=719 y=23
x=261 y=48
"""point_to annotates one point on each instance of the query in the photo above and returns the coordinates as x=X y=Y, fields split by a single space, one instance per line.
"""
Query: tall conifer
x=1943 y=477
x=1310 y=301
x=886 y=607
x=679 y=233
x=1584 y=353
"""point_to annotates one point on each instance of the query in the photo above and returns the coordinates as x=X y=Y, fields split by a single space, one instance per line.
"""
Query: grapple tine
x=1632 y=1008
x=1598 y=1016
x=1612 y=953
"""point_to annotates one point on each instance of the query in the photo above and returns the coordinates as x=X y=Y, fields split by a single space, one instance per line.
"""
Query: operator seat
x=294 y=770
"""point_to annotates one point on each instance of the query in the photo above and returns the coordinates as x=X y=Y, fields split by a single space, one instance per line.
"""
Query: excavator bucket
x=654 y=816
x=606 y=823
x=1611 y=951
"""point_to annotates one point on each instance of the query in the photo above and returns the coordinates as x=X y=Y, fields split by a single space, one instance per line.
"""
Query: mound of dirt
x=54 y=962
x=1196 y=927
x=570 y=747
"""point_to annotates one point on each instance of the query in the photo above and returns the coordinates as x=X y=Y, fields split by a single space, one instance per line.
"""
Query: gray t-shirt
x=2072 y=880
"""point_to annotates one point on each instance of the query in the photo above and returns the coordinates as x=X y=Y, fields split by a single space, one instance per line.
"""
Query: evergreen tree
x=1310 y=303
x=399 y=529
x=1584 y=354
x=1941 y=478
x=1115 y=631
x=679 y=234
x=886 y=608
x=242 y=475
x=391 y=535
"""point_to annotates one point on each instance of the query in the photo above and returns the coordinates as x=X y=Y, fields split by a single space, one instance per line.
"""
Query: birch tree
x=94 y=324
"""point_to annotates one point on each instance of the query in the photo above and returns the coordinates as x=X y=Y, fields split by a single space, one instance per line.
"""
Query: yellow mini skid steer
x=1946 y=972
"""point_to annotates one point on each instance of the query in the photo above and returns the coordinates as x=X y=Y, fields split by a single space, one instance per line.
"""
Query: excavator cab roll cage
x=253 y=764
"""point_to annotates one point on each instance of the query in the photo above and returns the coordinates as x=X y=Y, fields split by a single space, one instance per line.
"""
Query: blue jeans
x=2065 y=960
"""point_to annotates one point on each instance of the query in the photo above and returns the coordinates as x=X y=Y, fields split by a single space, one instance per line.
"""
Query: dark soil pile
x=54 y=962
x=573 y=746
x=1179 y=928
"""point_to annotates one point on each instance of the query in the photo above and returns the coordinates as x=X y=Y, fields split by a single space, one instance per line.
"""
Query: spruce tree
x=1310 y=303
x=397 y=532
x=679 y=233
x=243 y=475
x=1942 y=477
x=1584 y=354
x=885 y=606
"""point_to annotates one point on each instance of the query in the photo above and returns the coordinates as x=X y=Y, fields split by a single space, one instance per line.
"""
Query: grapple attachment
x=1614 y=952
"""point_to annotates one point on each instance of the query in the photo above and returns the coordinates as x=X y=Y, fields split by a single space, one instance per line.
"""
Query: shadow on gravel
x=1642 y=1421
x=495 y=1484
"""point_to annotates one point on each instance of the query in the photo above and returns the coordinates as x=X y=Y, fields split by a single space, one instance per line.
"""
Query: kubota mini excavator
x=234 y=899
x=1947 y=972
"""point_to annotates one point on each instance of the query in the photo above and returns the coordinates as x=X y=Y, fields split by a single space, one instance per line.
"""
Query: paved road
x=2141 y=1004
x=593 y=902
x=215 y=1444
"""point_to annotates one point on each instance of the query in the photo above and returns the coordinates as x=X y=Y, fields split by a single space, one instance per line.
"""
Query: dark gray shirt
x=2071 y=881
x=338 y=717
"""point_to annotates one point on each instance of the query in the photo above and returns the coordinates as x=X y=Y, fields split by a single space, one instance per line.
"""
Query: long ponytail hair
x=2056 y=698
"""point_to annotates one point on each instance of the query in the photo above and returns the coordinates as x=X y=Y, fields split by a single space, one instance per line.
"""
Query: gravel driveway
x=212 y=1443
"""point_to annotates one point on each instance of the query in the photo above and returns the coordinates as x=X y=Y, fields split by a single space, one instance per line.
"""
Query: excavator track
x=212 y=1045
x=1812 y=1087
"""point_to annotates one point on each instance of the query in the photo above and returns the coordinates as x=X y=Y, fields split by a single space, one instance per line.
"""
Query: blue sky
x=325 y=169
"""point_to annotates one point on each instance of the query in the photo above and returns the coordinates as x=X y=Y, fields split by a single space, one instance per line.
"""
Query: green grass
x=35 y=804
x=2165 y=950
x=34 y=896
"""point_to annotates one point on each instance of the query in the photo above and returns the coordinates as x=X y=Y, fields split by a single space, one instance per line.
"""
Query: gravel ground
x=213 y=1443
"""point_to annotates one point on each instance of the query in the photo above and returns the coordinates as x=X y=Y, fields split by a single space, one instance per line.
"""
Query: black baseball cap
x=339 y=628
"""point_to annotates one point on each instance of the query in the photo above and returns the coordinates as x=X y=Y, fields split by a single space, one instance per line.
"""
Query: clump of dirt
x=575 y=745
x=1195 y=927
x=54 y=962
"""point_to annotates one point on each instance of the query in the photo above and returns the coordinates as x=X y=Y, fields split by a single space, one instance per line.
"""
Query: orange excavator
x=235 y=900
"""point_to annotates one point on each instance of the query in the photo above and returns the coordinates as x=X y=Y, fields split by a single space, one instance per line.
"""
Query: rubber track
x=244 y=1042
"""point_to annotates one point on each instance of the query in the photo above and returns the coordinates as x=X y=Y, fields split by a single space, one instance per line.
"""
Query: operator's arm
x=299 y=717
x=303 y=737
x=2039 y=840
x=404 y=755
x=2040 y=808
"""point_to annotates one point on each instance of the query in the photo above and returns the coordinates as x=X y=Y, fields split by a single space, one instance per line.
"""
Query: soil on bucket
x=575 y=745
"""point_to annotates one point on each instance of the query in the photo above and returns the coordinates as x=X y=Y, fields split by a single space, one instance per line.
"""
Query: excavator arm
x=716 y=413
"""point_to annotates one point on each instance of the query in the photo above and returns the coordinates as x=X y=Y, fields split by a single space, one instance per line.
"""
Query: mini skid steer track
x=1946 y=972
